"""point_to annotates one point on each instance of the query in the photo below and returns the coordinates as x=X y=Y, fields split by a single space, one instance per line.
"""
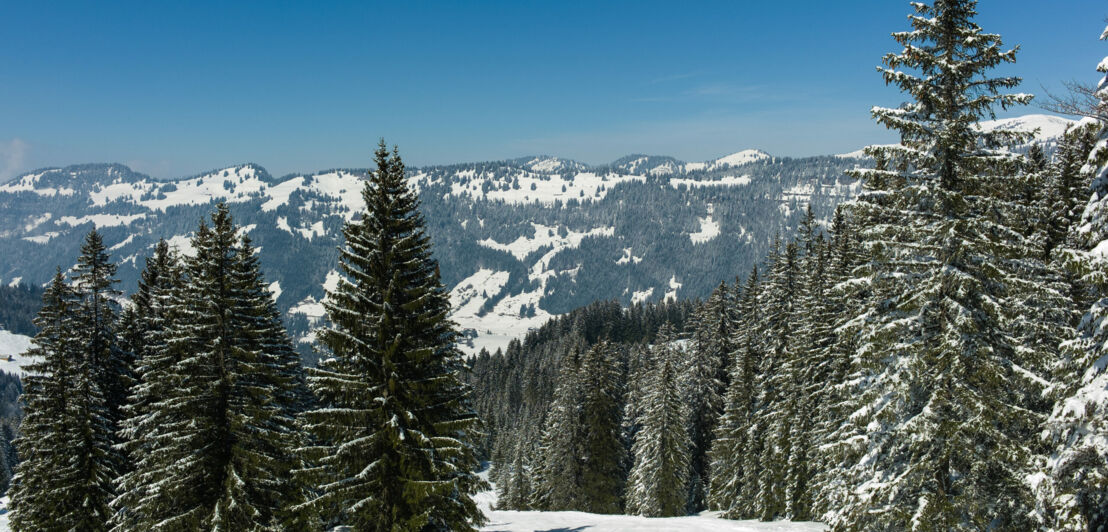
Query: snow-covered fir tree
x=94 y=282
x=1074 y=491
x=703 y=383
x=657 y=485
x=100 y=384
x=730 y=480
x=942 y=409
x=602 y=453
x=778 y=393
x=393 y=431
x=218 y=450
x=557 y=479
x=42 y=492
x=146 y=334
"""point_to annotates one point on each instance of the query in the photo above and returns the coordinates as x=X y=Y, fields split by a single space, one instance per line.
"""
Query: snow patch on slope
x=728 y=181
x=100 y=220
x=14 y=346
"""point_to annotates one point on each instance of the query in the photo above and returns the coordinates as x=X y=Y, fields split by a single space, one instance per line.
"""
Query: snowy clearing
x=14 y=346
x=512 y=521
x=507 y=521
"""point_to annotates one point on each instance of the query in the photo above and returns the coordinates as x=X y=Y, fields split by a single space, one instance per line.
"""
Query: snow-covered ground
x=580 y=521
x=511 y=521
x=13 y=346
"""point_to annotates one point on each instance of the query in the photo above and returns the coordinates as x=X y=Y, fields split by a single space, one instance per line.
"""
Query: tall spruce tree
x=602 y=458
x=703 y=382
x=147 y=324
x=557 y=480
x=102 y=374
x=218 y=451
x=942 y=413
x=1074 y=493
x=394 y=430
x=657 y=485
x=731 y=448
x=94 y=281
x=778 y=389
x=43 y=496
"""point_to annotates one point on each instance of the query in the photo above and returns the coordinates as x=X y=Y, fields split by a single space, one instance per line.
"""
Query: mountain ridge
x=519 y=241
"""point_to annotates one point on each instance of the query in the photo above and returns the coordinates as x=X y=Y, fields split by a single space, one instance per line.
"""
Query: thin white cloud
x=13 y=153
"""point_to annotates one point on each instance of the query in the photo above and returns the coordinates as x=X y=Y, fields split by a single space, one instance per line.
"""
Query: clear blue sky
x=175 y=88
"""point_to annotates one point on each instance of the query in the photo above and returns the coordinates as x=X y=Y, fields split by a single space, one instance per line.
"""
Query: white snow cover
x=504 y=322
x=29 y=183
x=545 y=236
x=709 y=229
x=14 y=346
x=183 y=245
x=43 y=238
x=244 y=184
x=727 y=181
x=279 y=193
x=742 y=157
x=641 y=296
x=534 y=187
x=674 y=286
x=512 y=521
x=628 y=257
x=1049 y=126
x=100 y=220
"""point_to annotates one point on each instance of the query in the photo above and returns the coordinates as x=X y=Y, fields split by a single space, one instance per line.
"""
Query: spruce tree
x=1074 y=491
x=778 y=390
x=703 y=382
x=602 y=452
x=148 y=321
x=557 y=481
x=731 y=448
x=657 y=485
x=393 y=429
x=942 y=414
x=218 y=449
x=102 y=375
x=42 y=492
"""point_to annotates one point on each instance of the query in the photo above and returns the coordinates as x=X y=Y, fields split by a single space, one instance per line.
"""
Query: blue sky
x=175 y=88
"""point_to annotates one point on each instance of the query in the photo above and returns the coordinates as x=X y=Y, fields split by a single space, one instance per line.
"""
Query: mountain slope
x=518 y=241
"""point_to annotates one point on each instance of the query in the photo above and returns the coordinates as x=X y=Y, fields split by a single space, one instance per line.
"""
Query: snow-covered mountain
x=518 y=241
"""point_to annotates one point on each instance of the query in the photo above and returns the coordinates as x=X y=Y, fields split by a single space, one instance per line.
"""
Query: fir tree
x=731 y=450
x=1074 y=494
x=558 y=478
x=219 y=454
x=148 y=323
x=657 y=486
x=101 y=379
x=602 y=452
x=394 y=430
x=43 y=496
x=943 y=414
x=703 y=382
x=94 y=281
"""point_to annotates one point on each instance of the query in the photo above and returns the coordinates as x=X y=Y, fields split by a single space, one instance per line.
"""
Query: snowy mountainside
x=518 y=241
x=12 y=349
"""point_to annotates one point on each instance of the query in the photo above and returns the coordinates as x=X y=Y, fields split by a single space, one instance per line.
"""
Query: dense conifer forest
x=932 y=358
